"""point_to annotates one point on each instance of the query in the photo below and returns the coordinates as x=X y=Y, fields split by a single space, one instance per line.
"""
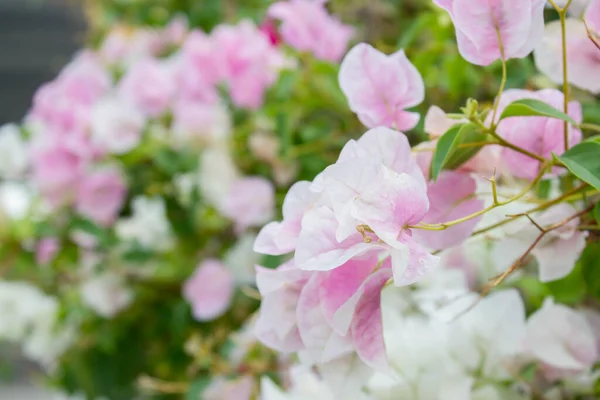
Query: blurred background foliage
x=309 y=115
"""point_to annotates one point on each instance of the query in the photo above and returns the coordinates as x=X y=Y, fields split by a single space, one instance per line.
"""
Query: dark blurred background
x=37 y=37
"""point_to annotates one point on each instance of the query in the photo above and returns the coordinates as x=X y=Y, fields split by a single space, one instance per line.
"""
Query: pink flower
x=276 y=325
x=451 y=197
x=46 y=250
x=556 y=253
x=307 y=26
x=249 y=64
x=562 y=339
x=57 y=171
x=349 y=230
x=63 y=105
x=269 y=28
x=116 y=125
x=583 y=56
x=539 y=135
x=478 y=23
x=281 y=237
x=100 y=196
x=85 y=79
x=197 y=122
x=325 y=314
x=234 y=389
x=209 y=290
x=250 y=202
x=379 y=87
x=197 y=69
x=592 y=16
x=149 y=85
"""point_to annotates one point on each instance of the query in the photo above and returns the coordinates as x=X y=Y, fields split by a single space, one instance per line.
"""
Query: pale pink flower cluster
x=307 y=26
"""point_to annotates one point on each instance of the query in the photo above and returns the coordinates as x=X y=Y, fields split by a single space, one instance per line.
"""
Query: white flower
x=116 y=125
x=13 y=152
x=148 y=225
x=106 y=294
x=217 y=173
x=29 y=317
x=241 y=259
x=15 y=200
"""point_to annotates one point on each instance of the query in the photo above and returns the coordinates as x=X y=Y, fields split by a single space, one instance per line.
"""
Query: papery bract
x=199 y=123
x=148 y=85
x=488 y=30
x=592 y=17
x=280 y=237
x=276 y=325
x=148 y=226
x=583 y=56
x=307 y=26
x=116 y=126
x=250 y=202
x=101 y=195
x=247 y=62
x=380 y=87
x=209 y=290
x=106 y=294
x=561 y=338
x=57 y=172
x=451 y=197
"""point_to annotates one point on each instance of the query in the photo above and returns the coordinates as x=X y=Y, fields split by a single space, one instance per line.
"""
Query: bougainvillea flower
x=209 y=290
x=380 y=87
x=480 y=23
x=307 y=26
x=583 y=56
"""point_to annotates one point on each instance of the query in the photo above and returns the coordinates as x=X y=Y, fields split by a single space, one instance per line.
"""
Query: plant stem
x=502 y=86
x=500 y=278
x=445 y=225
x=565 y=196
x=563 y=15
x=590 y=127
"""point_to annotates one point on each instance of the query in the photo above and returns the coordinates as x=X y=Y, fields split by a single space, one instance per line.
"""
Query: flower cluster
x=124 y=187
x=396 y=249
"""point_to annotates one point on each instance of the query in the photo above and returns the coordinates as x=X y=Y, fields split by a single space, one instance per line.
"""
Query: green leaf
x=583 y=160
x=197 y=387
x=590 y=266
x=448 y=155
x=534 y=108
x=597 y=213
x=570 y=289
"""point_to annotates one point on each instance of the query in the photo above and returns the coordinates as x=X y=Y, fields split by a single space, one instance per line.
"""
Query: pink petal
x=209 y=290
x=340 y=284
x=398 y=201
x=379 y=87
x=451 y=197
x=367 y=327
x=320 y=340
x=387 y=145
x=557 y=260
x=318 y=248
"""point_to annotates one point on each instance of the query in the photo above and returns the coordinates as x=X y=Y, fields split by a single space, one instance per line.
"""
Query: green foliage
x=448 y=152
x=534 y=108
x=583 y=160
x=590 y=266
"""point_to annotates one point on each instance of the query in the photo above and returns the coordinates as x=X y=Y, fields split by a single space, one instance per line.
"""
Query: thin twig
x=502 y=277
